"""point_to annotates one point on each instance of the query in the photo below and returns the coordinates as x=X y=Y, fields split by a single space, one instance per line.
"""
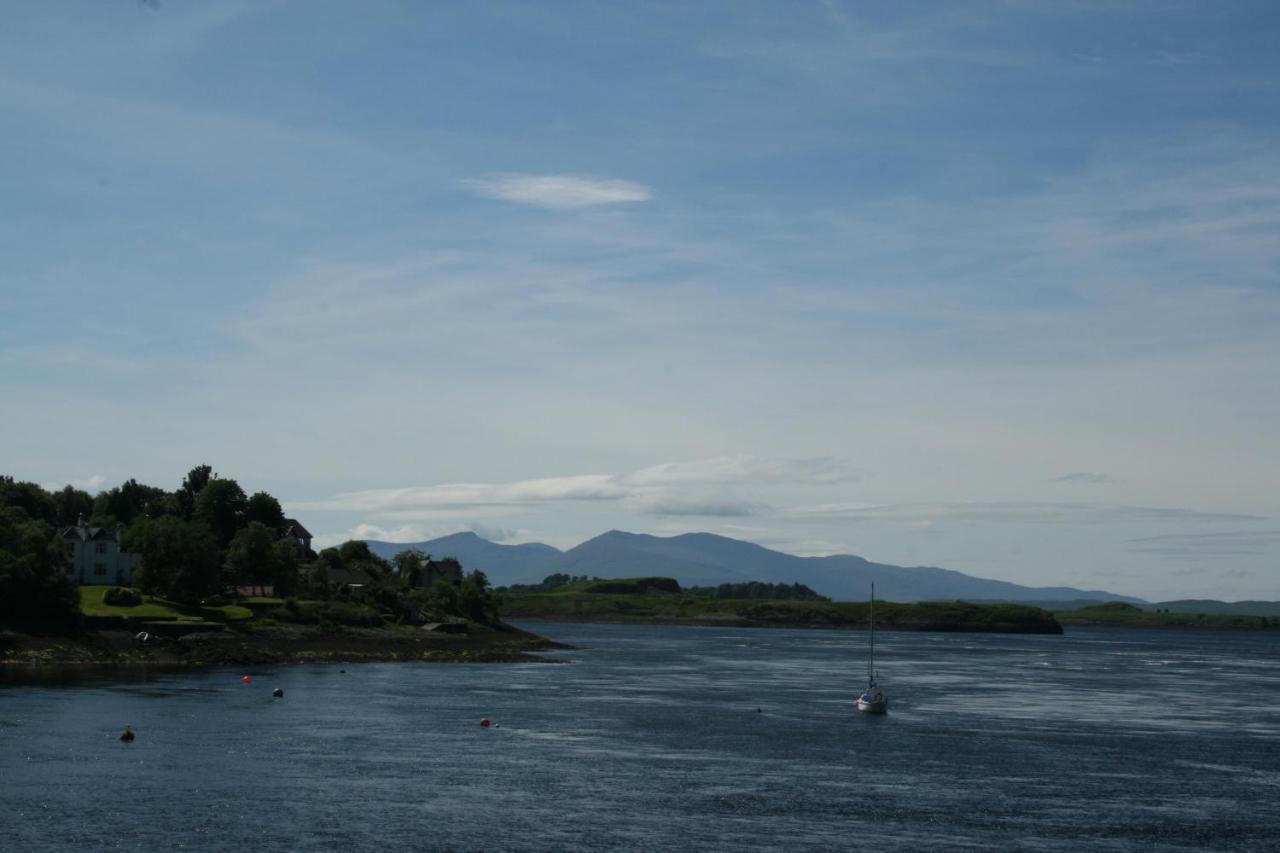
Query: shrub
x=349 y=614
x=118 y=596
x=283 y=614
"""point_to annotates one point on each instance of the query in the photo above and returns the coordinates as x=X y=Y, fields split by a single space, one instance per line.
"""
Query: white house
x=96 y=557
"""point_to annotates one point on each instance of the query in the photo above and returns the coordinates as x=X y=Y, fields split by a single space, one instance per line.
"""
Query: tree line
x=199 y=541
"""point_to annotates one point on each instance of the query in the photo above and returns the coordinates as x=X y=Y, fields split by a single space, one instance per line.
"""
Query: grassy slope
x=577 y=602
x=91 y=604
x=1120 y=615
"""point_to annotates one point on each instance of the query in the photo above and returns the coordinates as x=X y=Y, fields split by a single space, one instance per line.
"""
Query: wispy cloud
x=1200 y=546
x=90 y=484
x=559 y=192
x=1090 y=477
x=671 y=489
x=412 y=532
x=745 y=469
x=680 y=505
x=402 y=533
x=585 y=487
x=1028 y=513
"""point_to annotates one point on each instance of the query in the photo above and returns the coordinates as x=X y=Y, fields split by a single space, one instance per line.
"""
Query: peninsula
x=663 y=600
x=205 y=575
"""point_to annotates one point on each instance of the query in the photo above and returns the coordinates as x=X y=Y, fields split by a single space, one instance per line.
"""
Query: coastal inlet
x=661 y=738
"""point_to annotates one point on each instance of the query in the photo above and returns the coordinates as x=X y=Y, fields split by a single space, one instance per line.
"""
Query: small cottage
x=438 y=570
x=96 y=557
x=298 y=535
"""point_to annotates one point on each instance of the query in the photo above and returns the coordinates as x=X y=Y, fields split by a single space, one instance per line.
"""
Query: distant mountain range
x=704 y=559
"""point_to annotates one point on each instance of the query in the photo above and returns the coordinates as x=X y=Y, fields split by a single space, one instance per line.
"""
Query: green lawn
x=91 y=604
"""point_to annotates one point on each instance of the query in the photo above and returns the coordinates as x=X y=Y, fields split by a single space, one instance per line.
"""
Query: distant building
x=299 y=535
x=96 y=557
x=437 y=570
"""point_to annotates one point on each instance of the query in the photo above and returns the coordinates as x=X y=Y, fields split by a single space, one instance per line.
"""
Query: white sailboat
x=872 y=700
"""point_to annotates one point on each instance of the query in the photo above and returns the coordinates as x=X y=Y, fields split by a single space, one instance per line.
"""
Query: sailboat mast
x=871 y=639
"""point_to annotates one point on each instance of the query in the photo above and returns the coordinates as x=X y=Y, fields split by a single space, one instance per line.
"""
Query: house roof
x=293 y=527
x=88 y=534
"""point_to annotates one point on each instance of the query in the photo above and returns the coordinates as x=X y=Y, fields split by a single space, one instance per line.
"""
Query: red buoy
x=484 y=723
x=246 y=680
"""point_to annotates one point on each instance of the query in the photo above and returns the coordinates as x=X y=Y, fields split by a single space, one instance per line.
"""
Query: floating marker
x=246 y=680
x=278 y=693
x=484 y=723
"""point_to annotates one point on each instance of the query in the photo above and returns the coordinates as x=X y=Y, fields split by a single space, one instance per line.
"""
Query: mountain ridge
x=708 y=559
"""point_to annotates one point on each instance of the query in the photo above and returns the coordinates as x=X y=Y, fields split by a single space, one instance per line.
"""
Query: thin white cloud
x=678 y=488
x=1199 y=546
x=925 y=514
x=559 y=192
x=1090 y=477
x=745 y=469
x=679 y=505
x=92 y=484
x=586 y=487
x=493 y=532
x=398 y=534
x=406 y=533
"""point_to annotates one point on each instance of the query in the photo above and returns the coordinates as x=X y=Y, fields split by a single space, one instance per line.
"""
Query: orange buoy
x=246 y=680
x=484 y=723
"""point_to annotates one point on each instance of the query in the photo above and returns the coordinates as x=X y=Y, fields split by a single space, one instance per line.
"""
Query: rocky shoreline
x=275 y=645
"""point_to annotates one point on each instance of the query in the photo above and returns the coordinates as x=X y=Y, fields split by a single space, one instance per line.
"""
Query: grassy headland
x=258 y=631
x=1117 y=614
x=642 y=600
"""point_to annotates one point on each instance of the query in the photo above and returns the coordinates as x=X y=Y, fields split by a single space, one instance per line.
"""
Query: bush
x=284 y=614
x=349 y=614
x=118 y=596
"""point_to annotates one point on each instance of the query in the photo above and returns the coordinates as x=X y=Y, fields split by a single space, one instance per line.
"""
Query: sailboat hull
x=872 y=706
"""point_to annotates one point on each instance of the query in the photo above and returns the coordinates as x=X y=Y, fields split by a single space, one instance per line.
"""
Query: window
x=100 y=569
x=100 y=547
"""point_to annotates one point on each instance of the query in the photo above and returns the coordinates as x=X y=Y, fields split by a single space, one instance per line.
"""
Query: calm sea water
x=650 y=739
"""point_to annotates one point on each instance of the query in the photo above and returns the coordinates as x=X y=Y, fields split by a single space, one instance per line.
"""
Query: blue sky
x=987 y=286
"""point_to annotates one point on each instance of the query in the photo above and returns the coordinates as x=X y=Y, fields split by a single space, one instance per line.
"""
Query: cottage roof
x=294 y=528
x=88 y=534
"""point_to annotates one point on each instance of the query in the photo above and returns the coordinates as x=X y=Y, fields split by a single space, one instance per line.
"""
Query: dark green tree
x=70 y=504
x=129 y=501
x=357 y=551
x=285 y=577
x=251 y=557
x=264 y=509
x=30 y=497
x=179 y=559
x=35 y=585
x=221 y=505
x=408 y=565
x=197 y=478
x=475 y=600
